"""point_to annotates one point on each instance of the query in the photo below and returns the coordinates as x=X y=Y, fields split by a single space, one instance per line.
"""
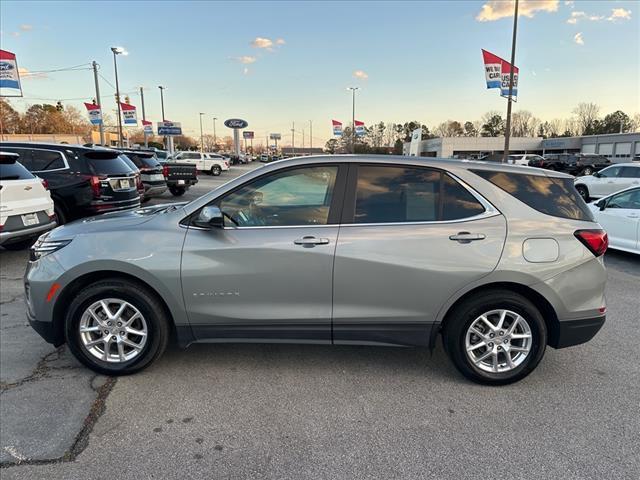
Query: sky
x=275 y=63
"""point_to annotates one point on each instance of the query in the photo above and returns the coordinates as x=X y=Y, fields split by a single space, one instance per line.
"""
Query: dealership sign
x=275 y=136
x=247 y=135
x=497 y=72
x=129 y=115
x=359 y=127
x=236 y=123
x=169 y=129
x=95 y=113
x=9 y=75
x=337 y=128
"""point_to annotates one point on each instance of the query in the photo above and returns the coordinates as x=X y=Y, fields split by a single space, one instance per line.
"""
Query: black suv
x=572 y=163
x=151 y=172
x=83 y=181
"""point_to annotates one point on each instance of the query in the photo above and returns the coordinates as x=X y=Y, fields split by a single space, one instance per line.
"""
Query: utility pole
x=144 y=119
x=117 y=51
x=353 y=118
x=303 y=141
x=167 y=140
x=215 y=139
x=201 y=135
x=507 y=132
x=293 y=136
x=95 y=79
x=310 y=137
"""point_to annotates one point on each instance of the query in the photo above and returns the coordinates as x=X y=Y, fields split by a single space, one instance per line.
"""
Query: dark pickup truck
x=179 y=176
x=578 y=164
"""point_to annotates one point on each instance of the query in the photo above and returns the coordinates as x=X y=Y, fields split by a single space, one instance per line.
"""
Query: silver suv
x=500 y=260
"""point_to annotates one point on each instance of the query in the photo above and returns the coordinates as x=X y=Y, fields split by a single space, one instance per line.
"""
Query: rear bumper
x=575 y=332
x=24 y=233
x=154 y=190
x=99 y=206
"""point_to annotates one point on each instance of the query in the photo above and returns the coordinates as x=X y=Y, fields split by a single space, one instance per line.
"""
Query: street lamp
x=353 y=117
x=201 y=135
x=162 y=100
x=215 y=139
x=118 y=51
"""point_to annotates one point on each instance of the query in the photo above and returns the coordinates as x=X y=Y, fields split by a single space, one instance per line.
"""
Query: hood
x=111 y=221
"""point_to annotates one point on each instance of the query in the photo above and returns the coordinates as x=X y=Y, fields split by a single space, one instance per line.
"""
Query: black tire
x=177 y=191
x=61 y=217
x=140 y=297
x=583 y=191
x=20 y=245
x=463 y=315
x=586 y=171
x=216 y=170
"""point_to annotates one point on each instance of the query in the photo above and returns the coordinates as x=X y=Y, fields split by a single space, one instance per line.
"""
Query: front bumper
x=46 y=330
x=24 y=233
x=575 y=332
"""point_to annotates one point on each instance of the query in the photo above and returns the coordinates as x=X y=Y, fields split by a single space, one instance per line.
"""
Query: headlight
x=44 y=246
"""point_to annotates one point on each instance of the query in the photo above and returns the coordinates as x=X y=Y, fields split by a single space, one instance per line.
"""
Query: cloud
x=569 y=3
x=280 y=41
x=578 y=38
x=619 y=14
x=246 y=59
x=245 y=71
x=25 y=74
x=261 y=42
x=25 y=27
x=575 y=16
x=496 y=9
x=360 y=75
x=15 y=34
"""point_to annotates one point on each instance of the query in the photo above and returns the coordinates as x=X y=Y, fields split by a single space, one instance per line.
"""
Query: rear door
x=410 y=238
x=620 y=219
x=607 y=182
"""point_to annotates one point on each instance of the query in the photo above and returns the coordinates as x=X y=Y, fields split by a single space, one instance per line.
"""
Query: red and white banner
x=359 y=127
x=9 y=75
x=496 y=73
x=129 y=116
x=337 y=128
x=505 y=72
x=148 y=127
x=95 y=113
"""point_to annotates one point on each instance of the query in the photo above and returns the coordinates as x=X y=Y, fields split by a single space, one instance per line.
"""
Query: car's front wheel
x=116 y=327
x=495 y=338
x=587 y=171
x=583 y=191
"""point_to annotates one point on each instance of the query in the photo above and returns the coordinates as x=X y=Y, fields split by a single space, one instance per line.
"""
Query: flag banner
x=95 y=113
x=337 y=128
x=148 y=127
x=492 y=69
x=247 y=135
x=505 y=73
x=9 y=75
x=129 y=116
x=360 y=130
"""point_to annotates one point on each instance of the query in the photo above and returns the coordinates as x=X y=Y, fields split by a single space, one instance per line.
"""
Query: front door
x=620 y=219
x=267 y=275
x=411 y=238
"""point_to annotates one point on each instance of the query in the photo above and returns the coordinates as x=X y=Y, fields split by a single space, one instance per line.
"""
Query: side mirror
x=209 y=217
x=602 y=204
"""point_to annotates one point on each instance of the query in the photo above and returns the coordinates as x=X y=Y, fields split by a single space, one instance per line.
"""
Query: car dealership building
x=618 y=147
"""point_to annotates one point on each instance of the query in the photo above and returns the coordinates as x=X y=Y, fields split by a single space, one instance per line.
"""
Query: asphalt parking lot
x=301 y=411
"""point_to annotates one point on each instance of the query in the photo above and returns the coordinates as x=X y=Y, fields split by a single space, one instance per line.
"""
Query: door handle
x=310 y=241
x=466 y=237
x=632 y=215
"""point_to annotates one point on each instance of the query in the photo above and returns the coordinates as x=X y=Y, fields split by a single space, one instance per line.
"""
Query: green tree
x=616 y=122
x=493 y=127
x=470 y=130
x=331 y=146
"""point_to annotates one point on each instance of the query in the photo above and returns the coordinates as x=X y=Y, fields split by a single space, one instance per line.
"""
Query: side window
x=630 y=199
x=193 y=156
x=44 y=160
x=610 y=172
x=25 y=158
x=630 y=172
x=458 y=202
x=300 y=196
x=386 y=194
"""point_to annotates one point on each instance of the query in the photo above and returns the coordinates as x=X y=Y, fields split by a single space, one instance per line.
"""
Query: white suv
x=26 y=208
x=205 y=162
x=608 y=180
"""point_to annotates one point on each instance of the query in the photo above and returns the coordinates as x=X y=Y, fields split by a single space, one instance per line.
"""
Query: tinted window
x=13 y=171
x=630 y=172
x=610 y=172
x=107 y=163
x=24 y=155
x=46 y=160
x=629 y=199
x=396 y=194
x=553 y=196
x=458 y=202
x=300 y=196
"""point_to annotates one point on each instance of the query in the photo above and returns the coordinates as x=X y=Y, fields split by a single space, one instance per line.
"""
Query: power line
x=66 y=69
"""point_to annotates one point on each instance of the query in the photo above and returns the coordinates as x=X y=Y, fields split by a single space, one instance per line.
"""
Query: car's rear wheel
x=583 y=191
x=216 y=170
x=587 y=171
x=495 y=338
x=116 y=327
x=177 y=191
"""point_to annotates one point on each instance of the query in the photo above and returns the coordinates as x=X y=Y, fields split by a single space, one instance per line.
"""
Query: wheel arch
x=547 y=310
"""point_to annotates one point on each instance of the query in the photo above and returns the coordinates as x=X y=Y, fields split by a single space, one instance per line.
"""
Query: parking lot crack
x=41 y=371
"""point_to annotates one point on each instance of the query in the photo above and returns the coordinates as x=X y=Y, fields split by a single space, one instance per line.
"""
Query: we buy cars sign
x=9 y=76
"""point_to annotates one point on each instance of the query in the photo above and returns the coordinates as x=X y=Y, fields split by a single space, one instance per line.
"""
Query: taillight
x=596 y=241
x=45 y=184
x=165 y=171
x=226 y=164
x=95 y=186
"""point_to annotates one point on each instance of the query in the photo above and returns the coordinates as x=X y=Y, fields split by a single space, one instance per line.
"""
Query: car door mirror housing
x=596 y=174
x=209 y=217
x=602 y=204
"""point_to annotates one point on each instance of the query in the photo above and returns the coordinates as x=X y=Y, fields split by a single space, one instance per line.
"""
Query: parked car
x=26 y=208
x=264 y=158
x=205 y=162
x=179 y=176
x=609 y=180
x=619 y=214
x=151 y=172
x=83 y=181
x=425 y=247
x=572 y=163
x=524 y=159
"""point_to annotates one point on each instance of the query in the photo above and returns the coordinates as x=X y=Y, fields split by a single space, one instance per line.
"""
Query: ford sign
x=5 y=66
x=236 y=123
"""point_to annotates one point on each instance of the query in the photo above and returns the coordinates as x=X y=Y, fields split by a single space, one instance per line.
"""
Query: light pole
x=310 y=137
x=162 y=100
x=215 y=139
x=353 y=117
x=144 y=119
x=201 y=135
x=507 y=131
x=118 y=51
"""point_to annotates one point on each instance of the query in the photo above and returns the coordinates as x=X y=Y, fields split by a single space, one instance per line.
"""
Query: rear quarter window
x=549 y=195
x=14 y=171
x=103 y=163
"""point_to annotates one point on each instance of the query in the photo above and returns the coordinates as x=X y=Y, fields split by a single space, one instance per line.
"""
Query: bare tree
x=586 y=116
